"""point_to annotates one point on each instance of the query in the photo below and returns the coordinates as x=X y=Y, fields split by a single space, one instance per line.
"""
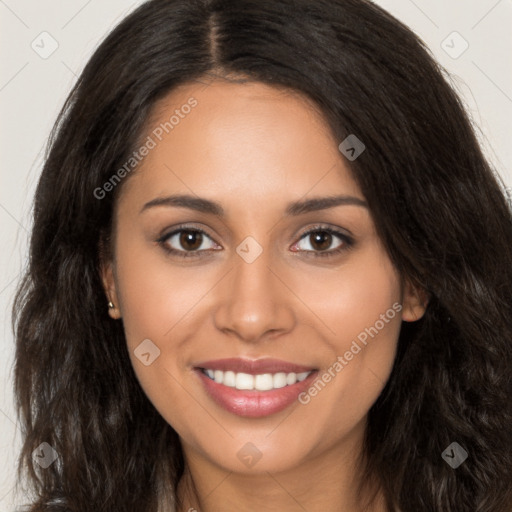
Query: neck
x=327 y=482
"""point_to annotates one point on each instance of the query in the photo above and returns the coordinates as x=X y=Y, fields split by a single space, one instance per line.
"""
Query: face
x=231 y=272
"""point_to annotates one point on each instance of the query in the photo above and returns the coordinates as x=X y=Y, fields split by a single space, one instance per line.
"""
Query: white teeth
x=279 y=380
x=261 y=382
x=302 y=376
x=264 y=382
x=229 y=379
x=291 y=378
x=244 y=381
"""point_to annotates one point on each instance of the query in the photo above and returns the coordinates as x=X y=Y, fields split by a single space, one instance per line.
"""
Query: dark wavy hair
x=438 y=206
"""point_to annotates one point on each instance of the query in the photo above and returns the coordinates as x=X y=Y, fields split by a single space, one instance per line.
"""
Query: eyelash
x=347 y=241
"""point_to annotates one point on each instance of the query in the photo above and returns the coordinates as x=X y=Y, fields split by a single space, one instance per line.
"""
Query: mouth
x=254 y=388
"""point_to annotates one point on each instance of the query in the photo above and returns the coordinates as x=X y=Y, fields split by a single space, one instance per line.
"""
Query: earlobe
x=107 y=277
x=415 y=302
x=109 y=285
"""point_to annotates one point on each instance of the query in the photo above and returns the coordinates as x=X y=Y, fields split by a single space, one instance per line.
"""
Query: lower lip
x=254 y=404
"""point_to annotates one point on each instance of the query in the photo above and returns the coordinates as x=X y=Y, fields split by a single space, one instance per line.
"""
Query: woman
x=306 y=261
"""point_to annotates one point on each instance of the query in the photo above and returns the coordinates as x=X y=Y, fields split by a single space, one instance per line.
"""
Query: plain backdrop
x=34 y=85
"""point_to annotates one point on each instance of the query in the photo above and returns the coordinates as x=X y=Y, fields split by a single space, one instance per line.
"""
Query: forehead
x=249 y=141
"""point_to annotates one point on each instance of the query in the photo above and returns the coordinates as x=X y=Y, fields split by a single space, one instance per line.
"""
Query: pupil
x=190 y=239
x=323 y=239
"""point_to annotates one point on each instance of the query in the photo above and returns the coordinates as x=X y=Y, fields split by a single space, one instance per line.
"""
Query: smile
x=254 y=389
x=261 y=382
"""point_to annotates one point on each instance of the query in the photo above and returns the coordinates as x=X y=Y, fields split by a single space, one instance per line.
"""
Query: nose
x=255 y=303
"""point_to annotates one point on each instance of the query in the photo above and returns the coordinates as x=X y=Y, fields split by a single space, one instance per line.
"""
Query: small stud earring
x=111 y=305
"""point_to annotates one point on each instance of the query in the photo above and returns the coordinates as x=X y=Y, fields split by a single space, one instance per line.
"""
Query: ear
x=107 y=275
x=415 y=301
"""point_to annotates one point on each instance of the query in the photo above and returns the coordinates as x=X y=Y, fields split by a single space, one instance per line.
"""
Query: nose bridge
x=254 y=300
x=252 y=275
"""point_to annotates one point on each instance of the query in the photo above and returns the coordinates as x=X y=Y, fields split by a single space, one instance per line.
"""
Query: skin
x=254 y=149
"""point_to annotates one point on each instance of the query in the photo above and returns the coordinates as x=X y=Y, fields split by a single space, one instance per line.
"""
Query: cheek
x=366 y=304
x=349 y=300
x=154 y=312
x=155 y=298
x=360 y=310
x=155 y=294
x=164 y=303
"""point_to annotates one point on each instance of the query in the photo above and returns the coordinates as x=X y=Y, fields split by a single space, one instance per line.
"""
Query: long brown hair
x=436 y=202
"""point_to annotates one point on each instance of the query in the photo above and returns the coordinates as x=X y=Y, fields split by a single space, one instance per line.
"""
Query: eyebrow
x=293 y=209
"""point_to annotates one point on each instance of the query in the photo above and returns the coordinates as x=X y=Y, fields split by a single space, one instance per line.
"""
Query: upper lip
x=254 y=367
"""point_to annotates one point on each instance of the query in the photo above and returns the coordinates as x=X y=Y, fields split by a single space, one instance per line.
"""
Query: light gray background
x=32 y=90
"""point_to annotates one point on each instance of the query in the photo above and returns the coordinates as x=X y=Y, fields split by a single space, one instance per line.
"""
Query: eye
x=319 y=241
x=186 y=241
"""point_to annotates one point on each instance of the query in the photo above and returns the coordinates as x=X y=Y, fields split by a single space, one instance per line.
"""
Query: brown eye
x=190 y=240
x=320 y=240
x=323 y=241
x=187 y=242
